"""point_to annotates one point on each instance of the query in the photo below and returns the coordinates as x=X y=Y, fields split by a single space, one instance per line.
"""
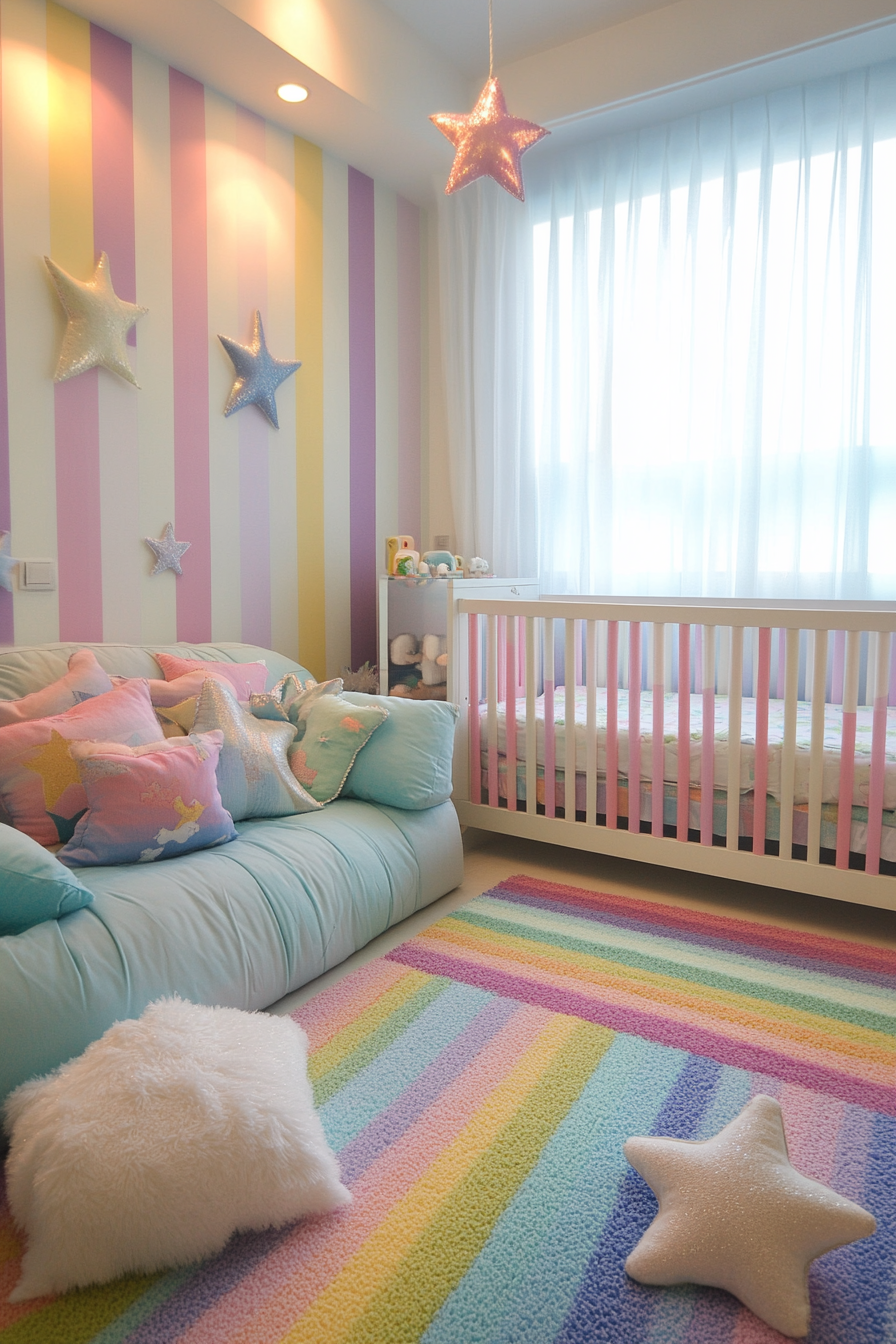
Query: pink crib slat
x=634 y=727
x=512 y=666
x=878 y=756
x=849 y=695
x=502 y=660
x=493 y=684
x=760 y=770
x=612 y=727
x=683 y=787
x=550 y=746
x=475 y=725
x=657 y=734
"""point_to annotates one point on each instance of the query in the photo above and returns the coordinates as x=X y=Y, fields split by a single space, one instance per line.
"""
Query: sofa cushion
x=83 y=680
x=34 y=885
x=245 y=678
x=334 y=732
x=40 y=787
x=148 y=803
x=407 y=763
x=254 y=777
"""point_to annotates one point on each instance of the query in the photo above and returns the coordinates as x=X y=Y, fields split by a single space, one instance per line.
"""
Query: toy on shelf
x=434 y=664
x=413 y=673
x=478 y=567
x=442 y=562
x=406 y=563
x=393 y=546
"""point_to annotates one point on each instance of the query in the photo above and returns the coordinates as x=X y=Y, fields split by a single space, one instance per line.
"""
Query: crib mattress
x=833 y=725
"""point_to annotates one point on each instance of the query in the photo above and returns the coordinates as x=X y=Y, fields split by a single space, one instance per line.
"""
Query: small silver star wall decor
x=258 y=373
x=98 y=323
x=7 y=562
x=735 y=1214
x=167 y=551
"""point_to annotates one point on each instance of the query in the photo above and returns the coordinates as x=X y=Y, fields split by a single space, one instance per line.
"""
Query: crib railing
x=505 y=654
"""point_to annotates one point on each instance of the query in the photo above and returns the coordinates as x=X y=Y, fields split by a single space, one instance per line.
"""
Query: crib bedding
x=858 y=826
x=833 y=722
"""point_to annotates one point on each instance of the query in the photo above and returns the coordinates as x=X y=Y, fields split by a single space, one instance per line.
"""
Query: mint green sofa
x=240 y=925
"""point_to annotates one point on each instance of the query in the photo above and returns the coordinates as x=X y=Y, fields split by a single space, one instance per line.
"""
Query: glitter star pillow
x=148 y=803
x=254 y=777
x=40 y=787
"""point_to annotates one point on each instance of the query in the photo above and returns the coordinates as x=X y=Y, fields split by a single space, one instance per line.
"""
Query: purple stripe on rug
x=390 y=1124
x=680 y=1035
x=596 y=916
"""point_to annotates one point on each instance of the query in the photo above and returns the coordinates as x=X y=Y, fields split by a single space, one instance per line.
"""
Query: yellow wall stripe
x=309 y=185
x=70 y=129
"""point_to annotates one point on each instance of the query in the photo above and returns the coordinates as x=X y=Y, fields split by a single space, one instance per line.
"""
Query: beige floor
x=490 y=859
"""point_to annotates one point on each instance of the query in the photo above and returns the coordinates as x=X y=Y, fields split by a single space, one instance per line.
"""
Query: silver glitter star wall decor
x=167 y=551
x=98 y=323
x=258 y=373
x=7 y=562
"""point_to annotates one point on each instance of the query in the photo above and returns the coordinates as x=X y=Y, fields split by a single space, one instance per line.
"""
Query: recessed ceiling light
x=292 y=93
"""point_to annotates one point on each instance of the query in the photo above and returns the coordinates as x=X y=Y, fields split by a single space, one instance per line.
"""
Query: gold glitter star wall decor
x=98 y=323
x=488 y=142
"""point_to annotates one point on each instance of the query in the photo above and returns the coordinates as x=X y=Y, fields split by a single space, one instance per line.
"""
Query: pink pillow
x=166 y=694
x=148 y=803
x=83 y=680
x=40 y=787
x=245 y=678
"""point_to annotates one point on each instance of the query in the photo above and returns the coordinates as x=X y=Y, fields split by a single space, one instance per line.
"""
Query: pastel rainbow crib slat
x=612 y=803
x=816 y=747
x=475 y=696
x=658 y=730
x=510 y=692
x=684 y=731
x=530 y=678
x=550 y=744
x=591 y=722
x=735 y=707
x=878 y=754
x=492 y=709
x=849 y=682
x=634 y=726
x=569 y=727
x=760 y=768
x=788 y=746
x=707 y=764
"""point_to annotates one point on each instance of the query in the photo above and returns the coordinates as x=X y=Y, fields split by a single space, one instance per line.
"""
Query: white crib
x=800 y=697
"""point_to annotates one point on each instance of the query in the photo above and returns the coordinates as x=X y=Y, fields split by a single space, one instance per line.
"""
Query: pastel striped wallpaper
x=207 y=212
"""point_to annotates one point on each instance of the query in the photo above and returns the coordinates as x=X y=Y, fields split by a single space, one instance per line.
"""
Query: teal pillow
x=335 y=731
x=34 y=885
x=407 y=763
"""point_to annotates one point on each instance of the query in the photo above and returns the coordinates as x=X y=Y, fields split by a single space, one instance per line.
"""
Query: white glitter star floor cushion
x=40 y=786
x=148 y=803
x=253 y=771
x=166 y=1136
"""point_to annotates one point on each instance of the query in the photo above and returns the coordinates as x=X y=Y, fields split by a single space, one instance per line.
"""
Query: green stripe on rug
x=442 y=1255
x=378 y=1040
x=78 y=1316
x=865 y=1019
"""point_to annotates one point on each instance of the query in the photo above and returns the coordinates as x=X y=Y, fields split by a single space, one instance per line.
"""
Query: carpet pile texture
x=478 y=1084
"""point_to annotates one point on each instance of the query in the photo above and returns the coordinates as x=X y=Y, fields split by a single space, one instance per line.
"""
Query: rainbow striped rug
x=478 y=1084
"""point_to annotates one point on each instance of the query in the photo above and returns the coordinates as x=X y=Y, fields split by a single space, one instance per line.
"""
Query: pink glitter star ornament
x=488 y=142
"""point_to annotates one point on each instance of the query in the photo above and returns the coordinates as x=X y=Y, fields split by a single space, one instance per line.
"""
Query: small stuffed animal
x=405 y=651
x=433 y=667
x=478 y=567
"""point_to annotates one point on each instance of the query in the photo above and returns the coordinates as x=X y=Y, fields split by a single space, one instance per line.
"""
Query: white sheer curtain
x=674 y=369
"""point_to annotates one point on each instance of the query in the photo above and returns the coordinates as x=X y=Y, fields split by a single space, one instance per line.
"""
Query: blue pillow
x=407 y=762
x=34 y=885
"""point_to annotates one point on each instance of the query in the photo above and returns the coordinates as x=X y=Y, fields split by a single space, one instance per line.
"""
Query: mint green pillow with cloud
x=34 y=885
x=335 y=731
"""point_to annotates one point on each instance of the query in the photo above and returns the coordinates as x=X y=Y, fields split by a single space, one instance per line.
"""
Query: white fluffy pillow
x=166 y=1136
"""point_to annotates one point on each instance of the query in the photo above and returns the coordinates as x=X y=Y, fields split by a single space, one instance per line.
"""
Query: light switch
x=38 y=575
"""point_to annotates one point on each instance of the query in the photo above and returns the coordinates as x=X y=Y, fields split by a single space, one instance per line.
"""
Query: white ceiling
x=376 y=69
x=459 y=28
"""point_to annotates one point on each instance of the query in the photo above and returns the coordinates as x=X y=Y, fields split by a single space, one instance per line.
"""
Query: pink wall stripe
x=634 y=727
x=409 y=370
x=113 y=160
x=683 y=789
x=7 y=630
x=760 y=769
x=362 y=415
x=252 y=284
x=612 y=803
x=189 y=264
x=475 y=725
x=78 y=521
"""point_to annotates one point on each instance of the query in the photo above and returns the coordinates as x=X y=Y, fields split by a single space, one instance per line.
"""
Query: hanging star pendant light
x=258 y=373
x=98 y=323
x=488 y=142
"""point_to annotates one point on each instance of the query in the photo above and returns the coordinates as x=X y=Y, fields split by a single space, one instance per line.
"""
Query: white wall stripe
x=223 y=170
x=282 y=323
x=34 y=322
x=336 y=415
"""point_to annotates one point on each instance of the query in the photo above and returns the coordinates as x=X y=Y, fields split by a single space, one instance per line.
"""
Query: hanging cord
x=490 y=41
